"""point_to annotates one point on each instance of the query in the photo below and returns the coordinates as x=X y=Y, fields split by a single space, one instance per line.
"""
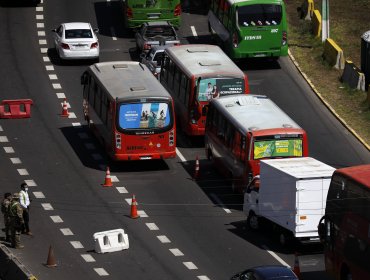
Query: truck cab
x=250 y=206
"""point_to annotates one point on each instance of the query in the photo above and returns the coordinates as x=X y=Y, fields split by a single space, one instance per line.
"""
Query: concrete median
x=352 y=76
x=333 y=54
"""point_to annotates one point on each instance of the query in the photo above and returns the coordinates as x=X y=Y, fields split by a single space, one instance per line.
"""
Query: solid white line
x=47 y=206
x=163 y=239
x=179 y=154
x=16 y=160
x=49 y=67
x=61 y=95
x=275 y=256
x=40 y=25
x=88 y=258
x=121 y=190
x=4 y=139
x=190 y=265
x=56 y=219
x=176 y=252
x=193 y=31
x=9 y=150
x=101 y=271
x=23 y=172
x=66 y=231
x=218 y=201
x=90 y=146
x=142 y=214
x=76 y=244
x=152 y=226
x=30 y=183
x=57 y=86
x=38 y=194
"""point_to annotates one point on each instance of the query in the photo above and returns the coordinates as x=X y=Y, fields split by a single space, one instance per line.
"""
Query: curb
x=331 y=109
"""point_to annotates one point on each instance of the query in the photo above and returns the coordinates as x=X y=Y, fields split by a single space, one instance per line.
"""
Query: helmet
x=16 y=195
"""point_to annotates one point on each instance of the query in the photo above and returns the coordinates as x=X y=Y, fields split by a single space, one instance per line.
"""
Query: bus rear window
x=278 y=148
x=213 y=88
x=259 y=15
x=144 y=115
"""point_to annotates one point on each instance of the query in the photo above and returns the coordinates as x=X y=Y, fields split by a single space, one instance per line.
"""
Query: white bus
x=129 y=111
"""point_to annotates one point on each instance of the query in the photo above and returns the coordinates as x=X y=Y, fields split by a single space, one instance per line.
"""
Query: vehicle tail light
x=177 y=11
x=285 y=39
x=64 y=46
x=235 y=40
x=94 y=45
x=194 y=115
x=129 y=13
x=177 y=44
x=147 y=46
x=118 y=141
x=171 y=141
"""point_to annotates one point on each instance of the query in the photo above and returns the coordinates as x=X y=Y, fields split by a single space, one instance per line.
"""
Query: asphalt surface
x=200 y=221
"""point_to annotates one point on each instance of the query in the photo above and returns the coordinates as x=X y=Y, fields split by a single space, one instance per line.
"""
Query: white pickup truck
x=290 y=194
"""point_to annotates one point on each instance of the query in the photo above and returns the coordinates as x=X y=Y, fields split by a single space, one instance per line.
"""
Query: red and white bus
x=194 y=74
x=243 y=129
x=345 y=228
x=129 y=111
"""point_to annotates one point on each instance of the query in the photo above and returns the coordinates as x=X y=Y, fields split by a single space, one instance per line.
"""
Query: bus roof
x=128 y=80
x=201 y=59
x=232 y=2
x=359 y=173
x=253 y=112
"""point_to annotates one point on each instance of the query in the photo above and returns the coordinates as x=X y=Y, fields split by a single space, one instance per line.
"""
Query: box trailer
x=291 y=194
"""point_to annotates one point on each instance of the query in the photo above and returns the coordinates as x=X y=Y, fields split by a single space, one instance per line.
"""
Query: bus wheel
x=285 y=238
x=345 y=274
x=252 y=221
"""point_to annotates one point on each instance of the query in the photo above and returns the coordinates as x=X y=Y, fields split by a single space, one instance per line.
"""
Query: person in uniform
x=16 y=222
x=5 y=210
x=25 y=202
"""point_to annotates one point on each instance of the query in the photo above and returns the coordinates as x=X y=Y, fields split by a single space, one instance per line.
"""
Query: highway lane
x=66 y=172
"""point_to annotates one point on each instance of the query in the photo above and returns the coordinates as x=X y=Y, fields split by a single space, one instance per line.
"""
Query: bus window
x=259 y=15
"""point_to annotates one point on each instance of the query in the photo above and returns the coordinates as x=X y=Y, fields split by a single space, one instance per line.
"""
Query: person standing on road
x=24 y=200
x=5 y=210
x=16 y=222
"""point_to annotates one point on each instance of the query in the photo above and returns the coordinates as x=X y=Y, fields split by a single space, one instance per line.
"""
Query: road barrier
x=307 y=9
x=333 y=54
x=352 y=76
x=111 y=241
x=11 y=268
x=15 y=109
x=316 y=23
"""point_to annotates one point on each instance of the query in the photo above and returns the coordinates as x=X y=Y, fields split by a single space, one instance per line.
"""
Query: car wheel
x=253 y=221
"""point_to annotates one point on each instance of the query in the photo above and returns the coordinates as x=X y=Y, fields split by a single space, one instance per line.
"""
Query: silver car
x=153 y=59
x=76 y=40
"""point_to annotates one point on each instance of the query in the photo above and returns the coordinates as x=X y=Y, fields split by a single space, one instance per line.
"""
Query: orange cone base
x=51 y=259
x=108 y=184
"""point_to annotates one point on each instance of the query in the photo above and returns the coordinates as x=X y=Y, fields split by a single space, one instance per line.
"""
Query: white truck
x=291 y=194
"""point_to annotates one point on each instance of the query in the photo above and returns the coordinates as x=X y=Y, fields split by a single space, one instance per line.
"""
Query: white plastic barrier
x=111 y=241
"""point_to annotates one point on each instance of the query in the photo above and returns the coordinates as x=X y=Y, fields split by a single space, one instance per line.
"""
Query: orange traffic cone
x=134 y=214
x=296 y=268
x=108 y=179
x=51 y=259
x=65 y=108
x=196 y=171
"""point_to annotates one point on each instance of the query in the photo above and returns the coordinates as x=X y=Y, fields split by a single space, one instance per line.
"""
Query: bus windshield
x=270 y=148
x=149 y=4
x=259 y=15
x=216 y=87
x=144 y=115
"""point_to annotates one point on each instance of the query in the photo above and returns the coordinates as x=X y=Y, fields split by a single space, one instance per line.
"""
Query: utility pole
x=325 y=30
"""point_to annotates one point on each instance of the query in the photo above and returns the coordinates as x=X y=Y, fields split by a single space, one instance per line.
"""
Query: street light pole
x=325 y=33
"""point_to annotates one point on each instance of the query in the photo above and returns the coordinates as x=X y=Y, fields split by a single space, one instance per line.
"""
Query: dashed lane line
x=46 y=59
x=30 y=183
x=66 y=231
x=56 y=219
x=190 y=265
x=40 y=25
x=163 y=239
x=179 y=154
x=121 y=189
x=44 y=50
x=23 y=172
x=47 y=206
x=76 y=124
x=4 y=139
x=203 y=277
x=72 y=115
x=176 y=252
x=38 y=194
x=53 y=77
x=152 y=226
x=76 y=244
x=142 y=214
x=101 y=271
x=9 y=150
x=275 y=256
x=88 y=258
x=49 y=68
x=15 y=160
x=61 y=95
x=41 y=33
x=56 y=86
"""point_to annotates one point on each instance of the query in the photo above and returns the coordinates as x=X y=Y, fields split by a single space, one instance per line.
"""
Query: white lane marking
x=114 y=179
x=40 y=25
x=23 y=172
x=275 y=256
x=113 y=33
x=142 y=214
x=42 y=42
x=152 y=226
x=97 y=156
x=101 y=271
x=203 y=277
x=176 y=252
x=121 y=189
x=38 y=194
x=163 y=239
x=179 y=154
x=83 y=135
x=46 y=59
x=61 y=95
x=15 y=160
x=49 y=67
x=76 y=124
x=47 y=206
x=76 y=244
x=53 y=77
x=39 y=17
x=56 y=219
x=190 y=265
x=41 y=33
x=193 y=31
x=44 y=50
x=9 y=150
x=57 y=86
x=66 y=231
x=1 y=128
x=72 y=115
x=219 y=202
x=90 y=146
x=88 y=258
x=39 y=9
x=129 y=201
x=30 y=183
x=4 y=139
x=68 y=105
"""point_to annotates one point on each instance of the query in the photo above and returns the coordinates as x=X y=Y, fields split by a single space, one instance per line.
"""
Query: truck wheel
x=285 y=239
x=253 y=221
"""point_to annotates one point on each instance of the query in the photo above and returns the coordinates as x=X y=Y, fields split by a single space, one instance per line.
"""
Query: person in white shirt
x=24 y=200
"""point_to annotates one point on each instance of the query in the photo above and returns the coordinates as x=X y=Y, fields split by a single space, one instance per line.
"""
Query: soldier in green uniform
x=5 y=210
x=16 y=221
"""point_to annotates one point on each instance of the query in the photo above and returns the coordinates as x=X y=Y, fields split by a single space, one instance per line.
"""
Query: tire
x=345 y=274
x=253 y=221
x=285 y=238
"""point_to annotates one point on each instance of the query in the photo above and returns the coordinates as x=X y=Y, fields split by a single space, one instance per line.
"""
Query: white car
x=76 y=40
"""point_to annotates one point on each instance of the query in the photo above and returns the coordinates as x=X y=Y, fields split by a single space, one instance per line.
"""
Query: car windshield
x=164 y=30
x=78 y=33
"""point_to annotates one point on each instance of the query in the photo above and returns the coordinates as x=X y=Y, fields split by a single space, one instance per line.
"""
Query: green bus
x=250 y=28
x=137 y=12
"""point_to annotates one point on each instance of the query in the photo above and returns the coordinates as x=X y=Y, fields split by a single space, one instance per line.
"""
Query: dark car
x=153 y=59
x=267 y=272
x=155 y=33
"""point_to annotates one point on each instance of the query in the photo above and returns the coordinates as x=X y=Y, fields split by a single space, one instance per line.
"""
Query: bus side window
x=221 y=127
x=229 y=135
x=243 y=145
x=171 y=74
x=97 y=104
x=87 y=80
x=176 y=83
x=104 y=109
x=182 y=90
x=92 y=93
x=187 y=92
